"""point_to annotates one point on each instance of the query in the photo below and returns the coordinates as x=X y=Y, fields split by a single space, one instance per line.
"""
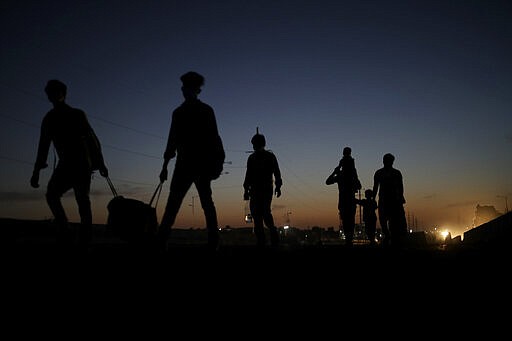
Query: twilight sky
x=428 y=81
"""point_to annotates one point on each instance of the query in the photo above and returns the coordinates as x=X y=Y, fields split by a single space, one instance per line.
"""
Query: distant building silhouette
x=483 y=214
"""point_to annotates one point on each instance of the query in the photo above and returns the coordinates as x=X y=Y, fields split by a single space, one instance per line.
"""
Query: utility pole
x=193 y=206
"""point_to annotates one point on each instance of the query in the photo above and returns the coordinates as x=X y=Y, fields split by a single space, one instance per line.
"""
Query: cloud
x=461 y=204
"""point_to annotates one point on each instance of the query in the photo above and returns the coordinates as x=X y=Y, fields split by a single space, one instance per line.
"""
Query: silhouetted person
x=347 y=158
x=195 y=139
x=261 y=175
x=345 y=175
x=388 y=184
x=369 y=206
x=79 y=154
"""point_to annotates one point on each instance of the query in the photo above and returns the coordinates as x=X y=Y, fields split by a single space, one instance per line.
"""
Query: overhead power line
x=16 y=160
x=132 y=152
x=126 y=127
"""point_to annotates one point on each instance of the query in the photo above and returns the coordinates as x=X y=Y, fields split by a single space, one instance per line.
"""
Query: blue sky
x=429 y=81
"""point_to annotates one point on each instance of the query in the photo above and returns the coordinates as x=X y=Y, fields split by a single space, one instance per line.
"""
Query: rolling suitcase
x=133 y=220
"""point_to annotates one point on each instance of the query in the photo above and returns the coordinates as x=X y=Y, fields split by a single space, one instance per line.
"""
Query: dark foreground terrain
x=30 y=250
x=295 y=287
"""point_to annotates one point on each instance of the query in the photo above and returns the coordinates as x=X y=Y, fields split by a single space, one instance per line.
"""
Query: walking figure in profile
x=345 y=175
x=194 y=140
x=261 y=175
x=369 y=206
x=388 y=184
x=79 y=154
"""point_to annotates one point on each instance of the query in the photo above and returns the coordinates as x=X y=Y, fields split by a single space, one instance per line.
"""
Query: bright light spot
x=286 y=227
x=444 y=234
x=248 y=218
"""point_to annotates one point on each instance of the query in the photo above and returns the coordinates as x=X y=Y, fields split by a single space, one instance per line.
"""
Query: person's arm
x=401 y=187
x=219 y=156
x=375 y=184
x=217 y=147
x=42 y=153
x=170 y=149
x=247 y=180
x=331 y=179
x=93 y=145
x=103 y=168
x=278 y=180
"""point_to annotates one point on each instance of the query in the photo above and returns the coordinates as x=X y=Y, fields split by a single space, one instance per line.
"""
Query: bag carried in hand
x=132 y=220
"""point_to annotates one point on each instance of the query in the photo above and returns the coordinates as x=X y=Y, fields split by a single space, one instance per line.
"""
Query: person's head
x=388 y=160
x=368 y=194
x=258 y=141
x=347 y=151
x=191 y=84
x=56 y=91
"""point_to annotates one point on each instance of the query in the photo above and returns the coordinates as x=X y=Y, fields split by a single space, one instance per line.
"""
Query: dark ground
x=30 y=248
x=325 y=287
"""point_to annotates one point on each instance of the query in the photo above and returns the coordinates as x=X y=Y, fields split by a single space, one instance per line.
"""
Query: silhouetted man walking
x=261 y=174
x=79 y=153
x=391 y=200
x=195 y=139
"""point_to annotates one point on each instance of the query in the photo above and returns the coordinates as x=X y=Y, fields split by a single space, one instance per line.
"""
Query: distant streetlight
x=506 y=201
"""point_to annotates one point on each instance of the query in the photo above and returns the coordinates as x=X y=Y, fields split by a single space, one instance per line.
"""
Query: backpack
x=215 y=159
x=92 y=150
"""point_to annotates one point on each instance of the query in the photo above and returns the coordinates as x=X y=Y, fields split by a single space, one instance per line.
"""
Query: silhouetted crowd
x=195 y=142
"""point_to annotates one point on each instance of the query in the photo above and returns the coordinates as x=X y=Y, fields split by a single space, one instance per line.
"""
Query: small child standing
x=261 y=174
x=369 y=206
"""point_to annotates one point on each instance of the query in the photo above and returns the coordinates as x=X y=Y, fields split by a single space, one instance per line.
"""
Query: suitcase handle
x=157 y=190
x=111 y=185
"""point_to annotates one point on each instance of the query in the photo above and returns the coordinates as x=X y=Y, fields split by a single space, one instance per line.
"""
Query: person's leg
x=398 y=225
x=259 y=231
x=82 y=188
x=370 y=226
x=180 y=184
x=268 y=219
x=257 y=217
x=274 y=235
x=384 y=221
x=349 y=225
x=203 y=186
x=347 y=214
x=59 y=184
